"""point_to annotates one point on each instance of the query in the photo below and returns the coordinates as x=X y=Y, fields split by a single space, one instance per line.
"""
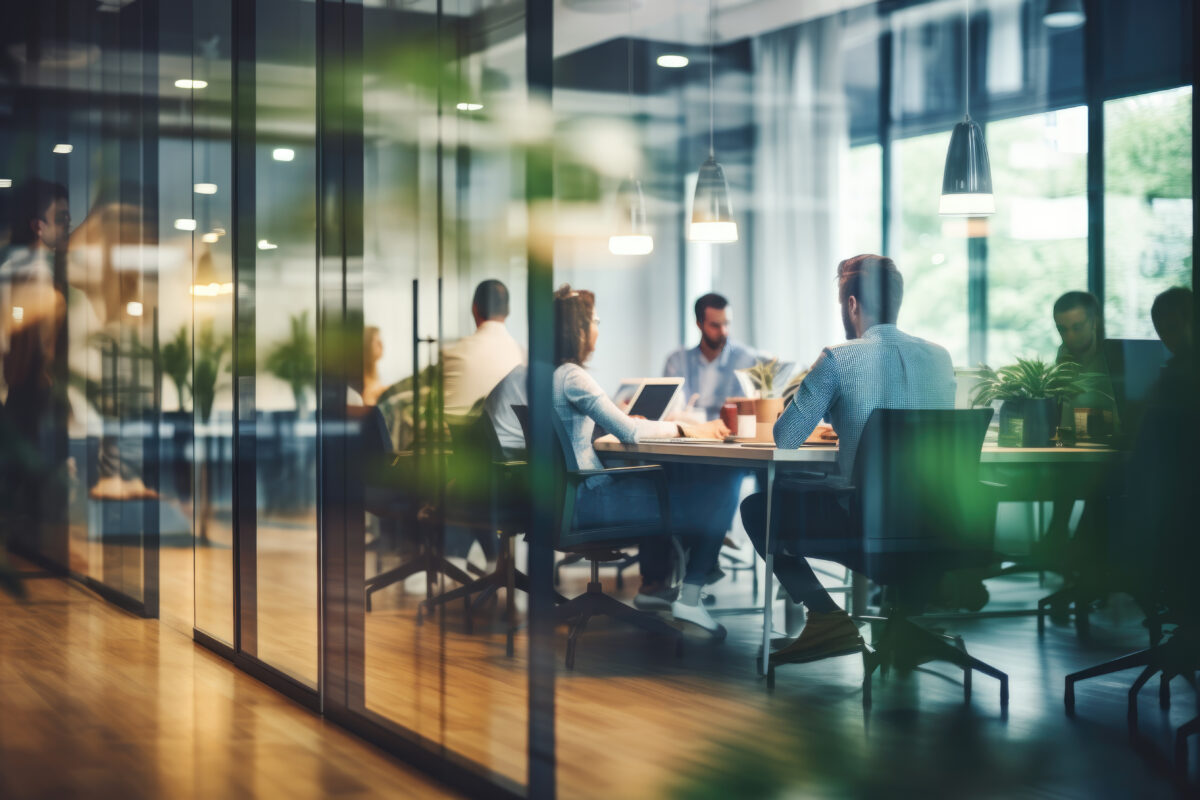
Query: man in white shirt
x=472 y=366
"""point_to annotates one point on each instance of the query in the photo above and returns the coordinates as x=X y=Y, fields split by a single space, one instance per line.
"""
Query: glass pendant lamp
x=632 y=237
x=967 y=178
x=1064 y=14
x=712 y=212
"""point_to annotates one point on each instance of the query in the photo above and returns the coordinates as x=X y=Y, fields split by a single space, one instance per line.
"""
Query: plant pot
x=766 y=411
x=1027 y=423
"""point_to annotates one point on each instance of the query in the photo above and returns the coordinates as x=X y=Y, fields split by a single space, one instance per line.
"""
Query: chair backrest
x=917 y=480
x=1152 y=516
x=1134 y=366
x=568 y=537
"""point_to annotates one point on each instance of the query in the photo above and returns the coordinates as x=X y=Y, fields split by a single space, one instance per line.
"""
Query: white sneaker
x=698 y=615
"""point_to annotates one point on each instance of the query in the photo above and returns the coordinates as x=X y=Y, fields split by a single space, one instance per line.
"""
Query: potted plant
x=1030 y=392
x=294 y=360
x=766 y=379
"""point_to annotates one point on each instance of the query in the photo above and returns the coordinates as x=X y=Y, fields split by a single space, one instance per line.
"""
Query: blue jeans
x=703 y=501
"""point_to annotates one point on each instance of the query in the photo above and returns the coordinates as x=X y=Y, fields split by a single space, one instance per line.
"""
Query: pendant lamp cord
x=712 y=151
x=629 y=69
x=967 y=58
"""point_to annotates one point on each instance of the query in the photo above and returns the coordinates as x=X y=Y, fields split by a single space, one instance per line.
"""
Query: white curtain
x=801 y=118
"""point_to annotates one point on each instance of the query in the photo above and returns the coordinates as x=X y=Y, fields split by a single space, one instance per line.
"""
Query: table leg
x=769 y=577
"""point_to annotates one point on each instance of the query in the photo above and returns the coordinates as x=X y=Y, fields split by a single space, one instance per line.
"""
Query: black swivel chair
x=1153 y=551
x=396 y=491
x=601 y=544
x=922 y=512
x=488 y=495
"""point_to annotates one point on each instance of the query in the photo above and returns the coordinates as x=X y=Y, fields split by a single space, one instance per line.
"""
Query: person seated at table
x=879 y=367
x=708 y=368
x=1172 y=317
x=1080 y=324
x=581 y=404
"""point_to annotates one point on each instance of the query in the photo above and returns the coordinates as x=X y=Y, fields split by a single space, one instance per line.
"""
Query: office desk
x=996 y=462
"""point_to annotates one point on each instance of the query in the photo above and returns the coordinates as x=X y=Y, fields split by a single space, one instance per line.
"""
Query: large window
x=930 y=250
x=1147 y=205
x=1037 y=241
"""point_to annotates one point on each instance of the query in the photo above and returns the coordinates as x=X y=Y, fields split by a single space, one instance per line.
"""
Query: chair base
x=906 y=645
x=595 y=603
x=429 y=563
x=1178 y=656
x=622 y=563
x=487 y=587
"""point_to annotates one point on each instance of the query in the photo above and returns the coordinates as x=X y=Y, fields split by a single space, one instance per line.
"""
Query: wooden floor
x=95 y=703
x=632 y=721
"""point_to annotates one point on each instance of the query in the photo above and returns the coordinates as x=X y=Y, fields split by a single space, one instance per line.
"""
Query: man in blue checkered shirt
x=879 y=367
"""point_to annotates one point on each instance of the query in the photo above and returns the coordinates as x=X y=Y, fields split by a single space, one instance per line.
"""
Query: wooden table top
x=760 y=454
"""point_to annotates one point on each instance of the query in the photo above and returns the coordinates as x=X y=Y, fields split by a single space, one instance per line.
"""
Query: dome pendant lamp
x=712 y=213
x=1064 y=14
x=967 y=179
x=633 y=235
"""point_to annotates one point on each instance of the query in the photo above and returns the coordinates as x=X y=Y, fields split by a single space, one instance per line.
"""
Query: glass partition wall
x=286 y=258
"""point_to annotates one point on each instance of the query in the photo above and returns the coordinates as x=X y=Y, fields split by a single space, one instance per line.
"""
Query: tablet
x=655 y=397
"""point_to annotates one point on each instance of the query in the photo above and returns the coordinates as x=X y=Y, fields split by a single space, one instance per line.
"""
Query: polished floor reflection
x=97 y=703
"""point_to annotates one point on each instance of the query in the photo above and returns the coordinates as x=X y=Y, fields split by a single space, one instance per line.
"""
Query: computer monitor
x=1134 y=366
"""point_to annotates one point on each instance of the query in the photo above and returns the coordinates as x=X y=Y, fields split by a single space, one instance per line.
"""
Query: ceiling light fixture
x=1064 y=14
x=264 y=244
x=205 y=188
x=712 y=213
x=469 y=106
x=5 y=183
x=672 y=61
x=188 y=83
x=63 y=149
x=632 y=237
x=967 y=178
x=185 y=224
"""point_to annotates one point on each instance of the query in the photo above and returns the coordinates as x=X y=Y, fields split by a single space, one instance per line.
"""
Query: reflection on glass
x=1147 y=206
x=285 y=300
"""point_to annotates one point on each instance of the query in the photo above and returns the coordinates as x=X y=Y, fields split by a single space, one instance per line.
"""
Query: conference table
x=1037 y=469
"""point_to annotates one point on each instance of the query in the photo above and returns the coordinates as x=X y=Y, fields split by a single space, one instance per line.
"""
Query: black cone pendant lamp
x=967 y=178
x=712 y=213
x=632 y=237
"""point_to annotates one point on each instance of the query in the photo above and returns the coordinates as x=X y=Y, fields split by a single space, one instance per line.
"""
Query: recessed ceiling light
x=5 y=183
x=672 y=61
x=469 y=106
x=185 y=224
x=186 y=83
x=283 y=154
x=205 y=188
x=210 y=238
x=263 y=244
x=63 y=148
x=133 y=308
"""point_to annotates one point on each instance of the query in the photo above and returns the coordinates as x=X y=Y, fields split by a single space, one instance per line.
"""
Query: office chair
x=1153 y=551
x=599 y=544
x=922 y=511
x=397 y=490
x=488 y=495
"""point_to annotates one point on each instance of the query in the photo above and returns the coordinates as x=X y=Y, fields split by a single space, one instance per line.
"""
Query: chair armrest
x=587 y=473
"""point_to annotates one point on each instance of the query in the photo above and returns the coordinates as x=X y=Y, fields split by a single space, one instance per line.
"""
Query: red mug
x=729 y=415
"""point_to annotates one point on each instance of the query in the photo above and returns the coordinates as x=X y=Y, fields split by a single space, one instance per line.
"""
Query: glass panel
x=1037 y=243
x=931 y=249
x=1147 y=206
x=209 y=292
x=285 y=329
